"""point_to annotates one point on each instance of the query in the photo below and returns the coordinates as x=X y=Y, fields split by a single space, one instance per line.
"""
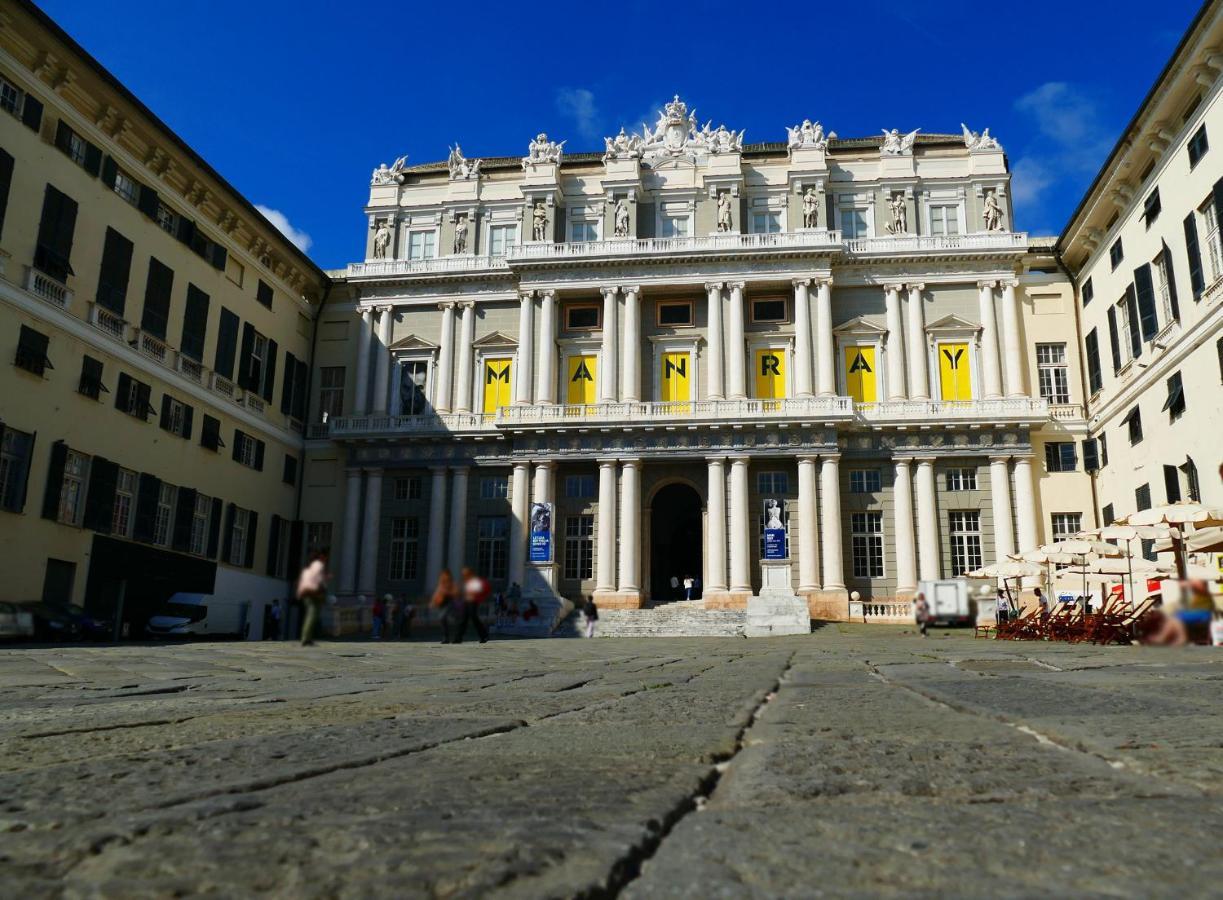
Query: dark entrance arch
x=675 y=539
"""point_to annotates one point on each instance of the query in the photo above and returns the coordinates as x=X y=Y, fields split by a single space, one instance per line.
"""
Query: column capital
x=545 y=293
x=373 y=470
x=465 y=304
x=714 y=285
x=385 y=307
x=633 y=462
x=893 y=287
x=800 y=282
x=543 y=463
x=527 y=295
x=830 y=457
x=736 y=285
x=609 y=291
x=1011 y=283
x=606 y=463
x=460 y=470
x=924 y=460
x=447 y=304
x=367 y=312
x=437 y=470
x=822 y=281
x=918 y=286
x=630 y=288
x=716 y=460
x=740 y=460
x=900 y=462
x=1000 y=457
x=985 y=284
x=811 y=458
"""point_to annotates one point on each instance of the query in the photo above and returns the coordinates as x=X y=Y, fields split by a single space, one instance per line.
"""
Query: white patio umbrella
x=1201 y=540
x=1007 y=568
x=1073 y=551
x=1181 y=513
x=1129 y=534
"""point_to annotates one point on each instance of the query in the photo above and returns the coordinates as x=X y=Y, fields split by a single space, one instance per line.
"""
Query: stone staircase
x=553 y=612
x=683 y=618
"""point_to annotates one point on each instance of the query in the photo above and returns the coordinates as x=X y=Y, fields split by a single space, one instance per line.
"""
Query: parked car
x=16 y=621
x=67 y=623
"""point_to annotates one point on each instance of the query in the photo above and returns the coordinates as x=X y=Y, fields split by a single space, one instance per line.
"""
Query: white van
x=192 y=614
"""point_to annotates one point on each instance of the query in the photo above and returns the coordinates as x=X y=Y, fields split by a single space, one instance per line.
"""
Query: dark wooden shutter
x=1217 y=192
x=157 y=298
x=146 y=507
x=1095 y=379
x=188 y=416
x=244 y=358
x=100 y=498
x=195 y=323
x=110 y=172
x=1170 y=269
x=1172 y=483
x=286 y=387
x=93 y=159
x=269 y=372
x=301 y=390
x=63 y=137
x=273 y=541
x=227 y=339
x=259 y=449
x=1131 y=303
x=123 y=391
x=186 y=230
x=290 y=471
x=1144 y=288
x=210 y=432
x=214 y=528
x=216 y=256
x=165 y=412
x=116 y=268
x=228 y=543
x=6 y=182
x=31 y=113
x=55 y=481
x=25 y=482
x=252 y=534
x=1196 y=279
x=148 y=201
x=1091 y=455
x=239 y=437
x=143 y=407
x=264 y=293
x=1114 y=339
x=184 y=518
x=55 y=232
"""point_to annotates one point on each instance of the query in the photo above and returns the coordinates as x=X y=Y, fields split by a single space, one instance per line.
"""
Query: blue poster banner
x=775 y=529
x=541 y=533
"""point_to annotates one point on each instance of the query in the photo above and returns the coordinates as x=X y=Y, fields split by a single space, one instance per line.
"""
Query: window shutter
x=301 y=385
x=217 y=257
x=148 y=202
x=227 y=339
x=188 y=415
x=1114 y=339
x=55 y=481
x=195 y=323
x=93 y=159
x=230 y=512
x=239 y=437
x=269 y=372
x=1145 y=290
x=110 y=169
x=116 y=269
x=210 y=433
x=290 y=472
x=1196 y=280
x=259 y=448
x=143 y=392
x=122 y=392
x=6 y=182
x=1172 y=483
x=184 y=515
x=1091 y=455
x=1131 y=303
x=273 y=541
x=186 y=230
x=63 y=136
x=146 y=508
x=25 y=482
x=1095 y=379
x=286 y=387
x=157 y=293
x=244 y=358
x=264 y=293
x=55 y=232
x=214 y=528
x=252 y=533
x=165 y=412
x=1217 y=191
x=31 y=113
x=100 y=498
x=1170 y=269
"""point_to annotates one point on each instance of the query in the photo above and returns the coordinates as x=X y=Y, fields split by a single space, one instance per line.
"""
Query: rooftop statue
x=982 y=141
x=623 y=146
x=676 y=135
x=542 y=150
x=462 y=168
x=896 y=144
x=390 y=175
x=809 y=136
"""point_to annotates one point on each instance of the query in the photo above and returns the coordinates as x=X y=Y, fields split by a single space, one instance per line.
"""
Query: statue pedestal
x=776 y=610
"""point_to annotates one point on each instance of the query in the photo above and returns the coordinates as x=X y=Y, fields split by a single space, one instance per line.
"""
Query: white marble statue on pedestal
x=899 y=223
x=539 y=221
x=808 y=136
x=622 y=146
x=542 y=150
x=725 y=216
x=993 y=213
x=811 y=208
x=982 y=141
x=382 y=239
x=460 y=234
x=392 y=174
x=621 y=218
x=462 y=168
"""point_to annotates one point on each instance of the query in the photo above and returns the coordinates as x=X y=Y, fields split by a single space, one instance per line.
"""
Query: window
x=771 y=484
x=113 y=276
x=201 y=519
x=1190 y=470
x=1061 y=456
x=1107 y=516
x=1066 y=525
x=86 y=155
x=331 y=392
x=1133 y=423
x=945 y=219
x=32 y=351
x=72 y=489
x=1151 y=207
x=501 y=238
x=496 y=487
x=126 y=187
x=132 y=397
x=1172 y=483
x=673 y=226
x=1175 y=404
x=405 y=548
x=1088 y=292
x=318 y=537
x=1095 y=378
x=582 y=316
x=1198 y=145
x=263 y=294
x=961 y=479
x=15 y=449
x=1103 y=440
x=676 y=314
x=289 y=474
x=163 y=520
x=414 y=387
x=6 y=182
x=580 y=487
x=248 y=450
x=238 y=536
x=1165 y=285
x=854 y=222
x=422 y=244
x=965 y=535
x=195 y=324
x=176 y=417
x=55 y=232
x=579 y=547
x=864 y=481
x=769 y=310
x=766 y=222
x=167 y=219
x=407 y=488
x=1053 y=375
x=1091 y=455
x=582 y=230
x=1129 y=328
x=1142 y=497
x=1211 y=220
x=11 y=97
x=1116 y=253
x=157 y=290
x=125 y=503
x=866 y=542
x=492 y=533
x=210 y=434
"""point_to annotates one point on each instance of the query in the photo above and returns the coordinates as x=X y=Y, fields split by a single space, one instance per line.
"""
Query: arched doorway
x=675 y=539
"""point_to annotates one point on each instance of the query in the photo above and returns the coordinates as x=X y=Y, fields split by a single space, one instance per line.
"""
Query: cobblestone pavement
x=851 y=762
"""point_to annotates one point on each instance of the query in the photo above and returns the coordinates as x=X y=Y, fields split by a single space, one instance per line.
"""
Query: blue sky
x=295 y=102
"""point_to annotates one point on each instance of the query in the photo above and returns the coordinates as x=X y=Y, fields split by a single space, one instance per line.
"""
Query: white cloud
x=1030 y=179
x=299 y=239
x=579 y=105
x=1069 y=119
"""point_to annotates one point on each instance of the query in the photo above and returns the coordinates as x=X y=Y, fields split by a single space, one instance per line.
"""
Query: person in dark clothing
x=475 y=591
x=446 y=598
x=592 y=616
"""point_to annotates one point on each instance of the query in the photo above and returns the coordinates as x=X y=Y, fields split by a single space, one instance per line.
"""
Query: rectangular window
x=263 y=294
x=1116 y=253
x=501 y=238
x=771 y=484
x=157 y=291
x=55 y=233
x=125 y=503
x=175 y=416
x=1151 y=207
x=318 y=537
x=248 y=450
x=965 y=536
x=407 y=488
x=583 y=230
x=238 y=536
x=6 y=183
x=32 y=351
x=331 y=392
x=579 y=547
x=405 y=548
x=580 y=487
x=1106 y=514
x=85 y=154
x=210 y=434
x=1066 y=525
x=1142 y=497
x=1088 y=292
x=414 y=387
x=132 y=397
x=289 y=473
x=1214 y=249
x=854 y=223
x=72 y=490
x=865 y=481
x=11 y=97
x=866 y=541
x=1190 y=470
x=1053 y=374
x=1165 y=287
x=496 y=487
x=766 y=222
x=675 y=226
x=163 y=521
x=15 y=449
x=1128 y=330
x=961 y=479
x=945 y=219
x=1198 y=145
x=582 y=316
x=126 y=187
x=1172 y=483
x=1095 y=378
x=676 y=314
x=492 y=537
x=201 y=521
x=167 y=219
x=1174 y=405
x=1133 y=423
x=1061 y=456
x=422 y=244
x=769 y=310
x=113 y=276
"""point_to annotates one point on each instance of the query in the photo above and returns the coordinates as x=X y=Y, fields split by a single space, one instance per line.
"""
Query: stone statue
x=542 y=150
x=461 y=168
x=725 y=219
x=982 y=141
x=621 y=217
x=900 y=215
x=811 y=208
x=809 y=136
x=993 y=213
x=460 y=234
x=539 y=222
x=622 y=146
x=382 y=240
x=392 y=174
x=720 y=139
x=895 y=144
x=675 y=135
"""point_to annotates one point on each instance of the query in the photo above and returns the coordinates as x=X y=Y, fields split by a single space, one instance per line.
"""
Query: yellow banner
x=580 y=380
x=770 y=374
x=860 y=372
x=496 y=384
x=955 y=373
x=676 y=375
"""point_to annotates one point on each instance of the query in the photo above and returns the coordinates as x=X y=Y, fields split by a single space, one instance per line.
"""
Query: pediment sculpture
x=462 y=168
x=542 y=150
x=676 y=136
x=809 y=136
x=982 y=141
x=392 y=174
x=623 y=146
x=896 y=144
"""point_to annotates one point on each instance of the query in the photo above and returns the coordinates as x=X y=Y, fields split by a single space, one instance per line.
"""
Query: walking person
x=311 y=591
x=407 y=614
x=378 y=614
x=592 y=616
x=921 y=612
x=1003 y=613
x=688 y=585
x=475 y=591
x=446 y=598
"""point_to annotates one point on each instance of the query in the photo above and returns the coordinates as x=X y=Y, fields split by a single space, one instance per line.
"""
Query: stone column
x=825 y=355
x=896 y=344
x=520 y=511
x=382 y=361
x=445 y=361
x=607 y=361
x=902 y=498
x=919 y=381
x=735 y=352
x=545 y=386
x=458 y=520
x=1000 y=500
x=467 y=337
x=435 y=538
x=364 y=338
x=717 y=372
x=802 y=337
x=351 y=533
x=396 y=384
x=631 y=344
x=990 y=367
x=630 y=527
x=740 y=542
x=715 y=525
x=542 y=484
x=367 y=579
x=808 y=534
x=524 y=368
x=1025 y=504
x=1012 y=351
x=830 y=494
x=605 y=560
x=928 y=567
